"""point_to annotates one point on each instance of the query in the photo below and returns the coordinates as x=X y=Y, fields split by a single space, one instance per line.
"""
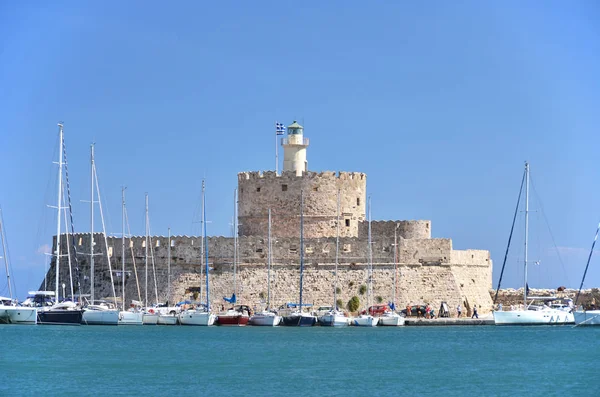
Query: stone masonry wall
x=429 y=271
x=257 y=192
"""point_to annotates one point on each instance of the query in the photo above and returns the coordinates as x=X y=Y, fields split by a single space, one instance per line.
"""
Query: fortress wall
x=257 y=192
x=404 y=229
x=420 y=279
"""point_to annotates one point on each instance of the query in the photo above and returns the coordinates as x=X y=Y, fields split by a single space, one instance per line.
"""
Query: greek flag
x=279 y=128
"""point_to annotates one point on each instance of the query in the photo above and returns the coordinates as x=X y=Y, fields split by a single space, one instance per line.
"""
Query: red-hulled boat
x=236 y=316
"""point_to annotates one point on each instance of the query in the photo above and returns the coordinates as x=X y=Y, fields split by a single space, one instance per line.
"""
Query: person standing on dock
x=458 y=311
x=475 y=315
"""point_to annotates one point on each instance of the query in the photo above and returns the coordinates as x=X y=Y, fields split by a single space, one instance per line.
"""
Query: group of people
x=426 y=312
x=459 y=311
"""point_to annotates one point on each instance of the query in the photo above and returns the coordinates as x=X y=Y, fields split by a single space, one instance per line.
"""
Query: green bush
x=379 y=299
x=362 y=289
x=261 y=295
x=195 y=295
x=351 y=284
x=339 y=303
x=338 y=290
x=353 y=304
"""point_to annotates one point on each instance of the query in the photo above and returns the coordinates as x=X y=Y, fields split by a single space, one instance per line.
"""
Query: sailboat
x=582 y=316
x=60 y=313
x=98 y=312
x=150 y=316
x=367 y=319
x=10 y=311
x=334 y=317
x=390 y=317
x=267 y=317
x=531 y=314
x=169 y=318
x=134 y=316
x=298 y=318
x=201 y=315
x=238 y=315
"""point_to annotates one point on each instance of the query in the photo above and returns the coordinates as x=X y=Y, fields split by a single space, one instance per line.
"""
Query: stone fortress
x=428 y=270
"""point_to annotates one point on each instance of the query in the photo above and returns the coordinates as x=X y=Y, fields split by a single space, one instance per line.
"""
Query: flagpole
x=276 y=151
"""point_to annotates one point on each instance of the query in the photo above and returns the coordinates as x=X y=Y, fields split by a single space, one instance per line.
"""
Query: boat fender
x=151 y=311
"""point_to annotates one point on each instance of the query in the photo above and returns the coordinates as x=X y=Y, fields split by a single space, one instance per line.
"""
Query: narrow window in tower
x=316 y=189
x=257 y=189
x=284 y=188
x=347 y=222
x=358 y=201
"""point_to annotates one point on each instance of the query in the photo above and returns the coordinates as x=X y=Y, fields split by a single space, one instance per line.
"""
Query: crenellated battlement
x=330 y=175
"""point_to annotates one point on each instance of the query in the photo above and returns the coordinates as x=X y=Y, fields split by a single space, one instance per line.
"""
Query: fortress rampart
x=257 y=192
x=428 y=271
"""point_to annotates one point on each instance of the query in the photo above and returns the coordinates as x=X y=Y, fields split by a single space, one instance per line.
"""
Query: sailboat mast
x=526 y=229
x=92 y=224
x=58 y=204
x=269 y=266
x=205 y=246
x=123 y=245
x=395 y=266
x=370 y=271
x=201 y=241
x=301 y=244
x=169 y=270
x=146 y=256
x=337 y=250
x=235 y=242
x=5 y=254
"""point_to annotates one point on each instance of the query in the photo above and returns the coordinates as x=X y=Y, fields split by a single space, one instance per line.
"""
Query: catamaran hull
x=18 y=315
x=167 y=319
x=333 y=320
x=265 y=320
x=60 y=317
x=131 y=318
x=192 y=318
x=589 y=317
x=366 y=321
x=391 y=321
x=100 y=317
x=533 y=317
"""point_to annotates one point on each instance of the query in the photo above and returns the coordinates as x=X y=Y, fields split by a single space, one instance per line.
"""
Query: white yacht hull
x=533 y=317
x=18 y=315
x=334 y=320
x=131 y=318
x=196 y=318
x=365 y=321
x=167 y=319
x=393 y=320
x=150 y=319
x=589 y=317
x=265 y=319
x=100 y=317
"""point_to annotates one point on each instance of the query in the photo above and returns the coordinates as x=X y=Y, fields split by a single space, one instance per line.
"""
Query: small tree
x=351 y=284
x=353 y=304
x=195 y=295
x=379 y=299
x=362 y=289
x=338 y=290
x=339 y=303
x=262 y=295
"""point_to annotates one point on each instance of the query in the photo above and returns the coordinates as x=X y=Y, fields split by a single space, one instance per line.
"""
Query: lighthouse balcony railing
x=294 y=141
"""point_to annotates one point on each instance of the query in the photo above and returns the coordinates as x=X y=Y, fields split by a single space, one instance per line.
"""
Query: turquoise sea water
x=177 y=360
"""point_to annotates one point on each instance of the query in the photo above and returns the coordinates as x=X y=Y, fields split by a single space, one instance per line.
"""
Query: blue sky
x=440 y=105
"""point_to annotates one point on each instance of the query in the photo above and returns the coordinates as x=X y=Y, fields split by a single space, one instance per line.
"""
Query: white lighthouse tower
x=294 y=149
